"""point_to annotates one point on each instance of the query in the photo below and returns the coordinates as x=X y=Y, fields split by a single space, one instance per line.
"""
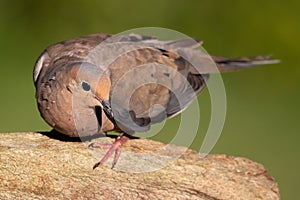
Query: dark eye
x=85 y=86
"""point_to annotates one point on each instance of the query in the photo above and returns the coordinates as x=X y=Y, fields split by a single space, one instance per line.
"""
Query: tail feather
x=233 y=64
x=202 y=63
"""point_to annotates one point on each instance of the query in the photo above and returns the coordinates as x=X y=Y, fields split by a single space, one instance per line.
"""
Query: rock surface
x=36 y=166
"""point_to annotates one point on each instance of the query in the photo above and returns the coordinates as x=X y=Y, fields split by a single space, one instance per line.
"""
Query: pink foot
x=115 y=147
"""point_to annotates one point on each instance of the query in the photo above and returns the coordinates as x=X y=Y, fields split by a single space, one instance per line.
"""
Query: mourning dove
x=100 y=83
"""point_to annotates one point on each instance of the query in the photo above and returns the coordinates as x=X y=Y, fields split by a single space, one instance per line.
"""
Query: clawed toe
x=113 y=148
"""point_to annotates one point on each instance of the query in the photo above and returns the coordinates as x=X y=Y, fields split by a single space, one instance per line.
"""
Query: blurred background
x=262 y=103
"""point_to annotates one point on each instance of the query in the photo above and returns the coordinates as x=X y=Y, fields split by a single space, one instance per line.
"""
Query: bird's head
x=89 y=82
x=80 y=91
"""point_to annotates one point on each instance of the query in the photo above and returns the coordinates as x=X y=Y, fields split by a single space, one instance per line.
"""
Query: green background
x=263 y=103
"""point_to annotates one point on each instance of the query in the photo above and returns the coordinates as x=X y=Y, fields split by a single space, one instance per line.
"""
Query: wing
x=150 y=84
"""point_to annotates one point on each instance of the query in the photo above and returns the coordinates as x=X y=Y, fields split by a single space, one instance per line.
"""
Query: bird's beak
x=100 y=100
x=106 y=107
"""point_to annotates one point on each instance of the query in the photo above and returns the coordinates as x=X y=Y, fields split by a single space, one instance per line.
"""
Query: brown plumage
x=99 y=83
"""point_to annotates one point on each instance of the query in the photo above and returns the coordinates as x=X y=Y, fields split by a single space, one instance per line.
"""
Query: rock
x=36 y=166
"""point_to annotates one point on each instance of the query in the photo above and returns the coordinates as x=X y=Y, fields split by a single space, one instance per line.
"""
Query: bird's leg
x=113 y=148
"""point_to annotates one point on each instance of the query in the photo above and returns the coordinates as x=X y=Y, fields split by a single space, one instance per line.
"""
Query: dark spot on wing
x=164 y=52
x=69 y=89
x=166 y=74
x=180 y=62
x=139 y=121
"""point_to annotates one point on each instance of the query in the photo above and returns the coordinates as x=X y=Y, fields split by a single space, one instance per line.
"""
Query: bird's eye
x=85 y=86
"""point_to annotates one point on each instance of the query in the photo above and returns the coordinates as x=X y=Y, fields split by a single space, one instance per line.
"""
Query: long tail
x=233 y=64
x=202 y=62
